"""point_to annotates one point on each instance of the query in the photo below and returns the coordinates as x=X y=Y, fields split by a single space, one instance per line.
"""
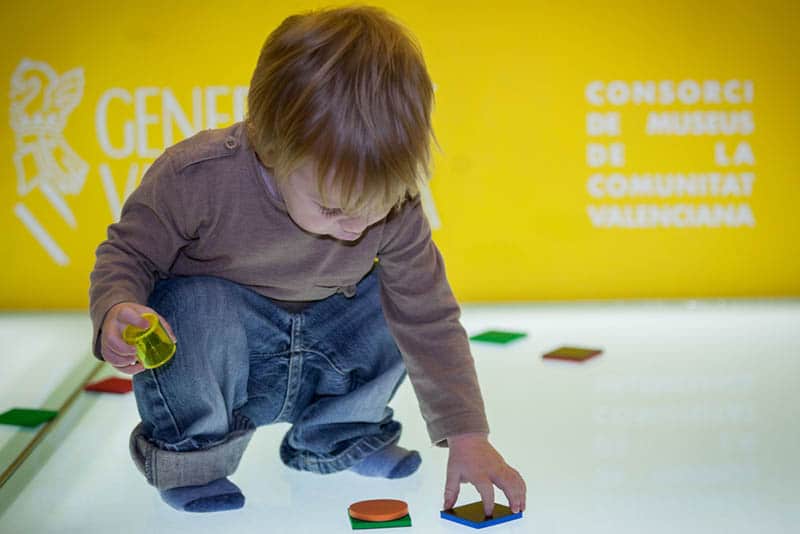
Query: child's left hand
x=474 y=460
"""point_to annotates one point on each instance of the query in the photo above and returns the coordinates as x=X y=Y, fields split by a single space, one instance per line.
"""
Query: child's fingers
x=112 y=341
x=123 y=362
x=451 y=488
x=514 y=488
x=119 y=348
x=130 y=369
x=486 y=489
x=115 y=350
x=130 y=315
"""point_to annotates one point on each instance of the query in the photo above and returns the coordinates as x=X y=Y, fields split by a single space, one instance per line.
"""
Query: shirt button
x=348 y=291
x=230 y=142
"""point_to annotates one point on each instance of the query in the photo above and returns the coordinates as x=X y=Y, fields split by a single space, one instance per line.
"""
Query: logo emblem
x=41 y=102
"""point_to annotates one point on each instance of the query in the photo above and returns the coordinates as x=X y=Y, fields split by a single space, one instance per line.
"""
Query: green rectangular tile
x=497 y=336
x=358 y=524
x=26 y=417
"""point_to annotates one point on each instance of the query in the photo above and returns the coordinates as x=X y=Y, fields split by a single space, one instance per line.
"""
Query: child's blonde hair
x=346 y=89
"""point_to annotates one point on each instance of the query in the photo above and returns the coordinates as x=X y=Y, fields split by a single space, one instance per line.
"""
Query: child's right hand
x=113 y=348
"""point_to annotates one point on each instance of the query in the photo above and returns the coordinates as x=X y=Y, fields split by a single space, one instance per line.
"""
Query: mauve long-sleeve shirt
x=206 y=206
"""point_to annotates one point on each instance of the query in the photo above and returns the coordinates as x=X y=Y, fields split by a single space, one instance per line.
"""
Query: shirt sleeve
x=423 y=316
x=141 y=247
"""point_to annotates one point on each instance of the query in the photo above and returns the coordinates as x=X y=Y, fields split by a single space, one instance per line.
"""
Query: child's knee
x=195 y=295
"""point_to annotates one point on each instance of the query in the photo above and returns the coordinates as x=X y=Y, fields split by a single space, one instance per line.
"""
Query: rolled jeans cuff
x=170 y=469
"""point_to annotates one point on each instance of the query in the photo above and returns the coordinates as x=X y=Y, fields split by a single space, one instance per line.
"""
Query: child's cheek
x=323 y=224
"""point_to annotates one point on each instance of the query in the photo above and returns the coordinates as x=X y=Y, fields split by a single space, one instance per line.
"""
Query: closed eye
x=330 y=212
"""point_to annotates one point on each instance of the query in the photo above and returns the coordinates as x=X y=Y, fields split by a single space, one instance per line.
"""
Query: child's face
x=301 y=196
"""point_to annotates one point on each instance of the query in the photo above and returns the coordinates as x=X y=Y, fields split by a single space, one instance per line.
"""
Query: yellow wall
x=515 y=189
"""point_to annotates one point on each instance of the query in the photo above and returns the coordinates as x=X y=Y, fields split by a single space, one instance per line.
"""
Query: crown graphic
x=41 y=102
x=39 y=124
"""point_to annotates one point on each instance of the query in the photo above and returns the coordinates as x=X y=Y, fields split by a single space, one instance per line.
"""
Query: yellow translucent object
x=153 y=345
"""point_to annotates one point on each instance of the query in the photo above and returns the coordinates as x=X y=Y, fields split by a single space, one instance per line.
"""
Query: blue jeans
x=243 y=361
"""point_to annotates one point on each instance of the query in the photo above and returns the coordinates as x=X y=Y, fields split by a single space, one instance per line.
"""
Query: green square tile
x=358 y=524
x=26 y=417
x=497 y=336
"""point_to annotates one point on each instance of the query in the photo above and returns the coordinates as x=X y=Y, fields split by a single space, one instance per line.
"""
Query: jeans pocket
x=266 y=387
x=330 y=379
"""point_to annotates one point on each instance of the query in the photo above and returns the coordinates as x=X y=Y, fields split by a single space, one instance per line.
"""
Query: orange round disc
x=378 y=510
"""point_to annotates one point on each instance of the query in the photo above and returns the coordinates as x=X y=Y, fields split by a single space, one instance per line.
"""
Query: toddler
x=289 y=257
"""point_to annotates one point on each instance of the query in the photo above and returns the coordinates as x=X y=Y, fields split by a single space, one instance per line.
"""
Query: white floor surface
x=688 y=422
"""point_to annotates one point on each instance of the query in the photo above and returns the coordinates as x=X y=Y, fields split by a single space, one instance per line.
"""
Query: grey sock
x=390 y=462
x=216 y=496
